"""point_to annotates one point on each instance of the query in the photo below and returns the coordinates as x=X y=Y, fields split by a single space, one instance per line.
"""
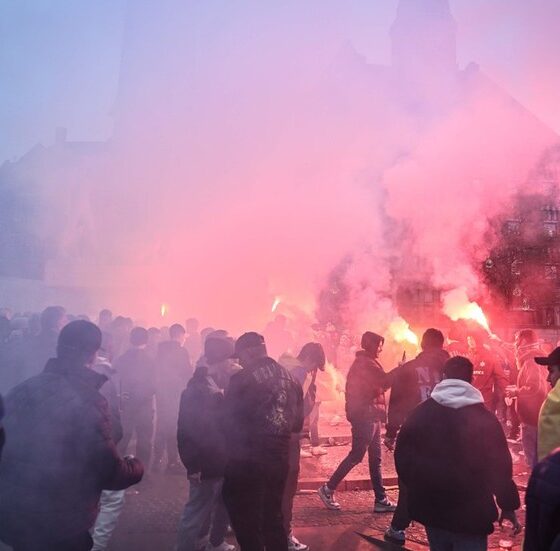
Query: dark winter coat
x=413 y=383
x=59 y=454
x=453 y=462
x=136 y=374
x=174 y=369
x=200 y=436
x=542 y=529
x=365 y=389
x=531 y=384
x=263 y=406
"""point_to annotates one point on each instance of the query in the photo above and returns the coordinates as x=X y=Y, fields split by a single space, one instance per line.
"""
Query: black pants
x=83 y=542
x=253 y=498
x=290 y=488
x=138 y=420
x=166 y=433
x=401 y=519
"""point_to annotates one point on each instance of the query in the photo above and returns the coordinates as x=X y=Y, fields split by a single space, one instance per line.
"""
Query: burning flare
x=164 y=309
x=401 y=332
x=275 y=304
x=457 y=306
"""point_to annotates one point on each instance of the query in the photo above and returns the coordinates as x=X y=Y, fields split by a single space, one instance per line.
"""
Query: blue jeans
x=444 y=540
x=205 y=498
x=529 y=441
x=366 y=436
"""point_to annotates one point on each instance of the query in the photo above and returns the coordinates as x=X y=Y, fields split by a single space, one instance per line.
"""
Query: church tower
x=423 y=41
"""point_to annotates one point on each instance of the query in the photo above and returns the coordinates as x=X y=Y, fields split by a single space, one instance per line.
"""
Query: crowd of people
x=92 y=408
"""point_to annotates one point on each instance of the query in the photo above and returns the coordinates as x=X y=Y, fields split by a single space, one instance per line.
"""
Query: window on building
x=550 y=229
x=551 y=271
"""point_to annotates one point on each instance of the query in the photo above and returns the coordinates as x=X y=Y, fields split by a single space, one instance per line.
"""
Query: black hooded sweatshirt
x=413 y=383
x=365 y=389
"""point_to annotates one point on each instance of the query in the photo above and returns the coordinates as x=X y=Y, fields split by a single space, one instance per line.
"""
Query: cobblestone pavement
x=150 y=516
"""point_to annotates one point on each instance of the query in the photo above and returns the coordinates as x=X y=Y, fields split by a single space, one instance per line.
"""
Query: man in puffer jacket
x=453 y=457
x=365 y=409
x=60 y=453
x=530 y=391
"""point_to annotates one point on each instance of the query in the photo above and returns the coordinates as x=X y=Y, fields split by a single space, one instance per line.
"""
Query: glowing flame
x=401 y=332
x=457 y=306
x=275 y=304
x=164 y=309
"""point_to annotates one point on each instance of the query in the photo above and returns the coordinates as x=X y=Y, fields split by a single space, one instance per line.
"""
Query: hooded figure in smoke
x=60 y=453
x=365 y=409
x=202 y=448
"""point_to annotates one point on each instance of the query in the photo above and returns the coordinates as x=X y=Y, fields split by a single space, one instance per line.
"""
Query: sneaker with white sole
x=327 y=497
x=295 y=545
x=305 y=452
x=384 y=506
x=319 y=450
x=395 y=536
x=224 y=546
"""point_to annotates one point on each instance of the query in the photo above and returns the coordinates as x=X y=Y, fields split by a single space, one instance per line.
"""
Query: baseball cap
x=552 y=359
x=248 y=340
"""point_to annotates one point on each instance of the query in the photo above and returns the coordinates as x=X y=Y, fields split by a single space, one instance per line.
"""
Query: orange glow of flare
x=457 y=306
x=400 y=331
x=164 y=309
x=275 y=304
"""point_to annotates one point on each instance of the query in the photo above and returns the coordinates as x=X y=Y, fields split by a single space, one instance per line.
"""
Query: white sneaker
x=224 y=546
x=319 y=450
x=305 y=453
x=295 y=545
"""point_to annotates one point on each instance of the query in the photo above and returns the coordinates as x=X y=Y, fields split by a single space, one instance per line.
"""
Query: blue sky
x=59 y=59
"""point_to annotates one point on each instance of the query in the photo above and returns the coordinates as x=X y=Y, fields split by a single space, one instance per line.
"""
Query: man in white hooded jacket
x=453 y=457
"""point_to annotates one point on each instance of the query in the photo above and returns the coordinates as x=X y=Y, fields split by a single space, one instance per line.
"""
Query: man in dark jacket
x=365 y=409
x=136 y=373
x=202 y=449
x=263 y=408
x=413 y=383
x=530 y=391
x=453 y=457
x=60 y=453
x=542 y=529
x=173 y=371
